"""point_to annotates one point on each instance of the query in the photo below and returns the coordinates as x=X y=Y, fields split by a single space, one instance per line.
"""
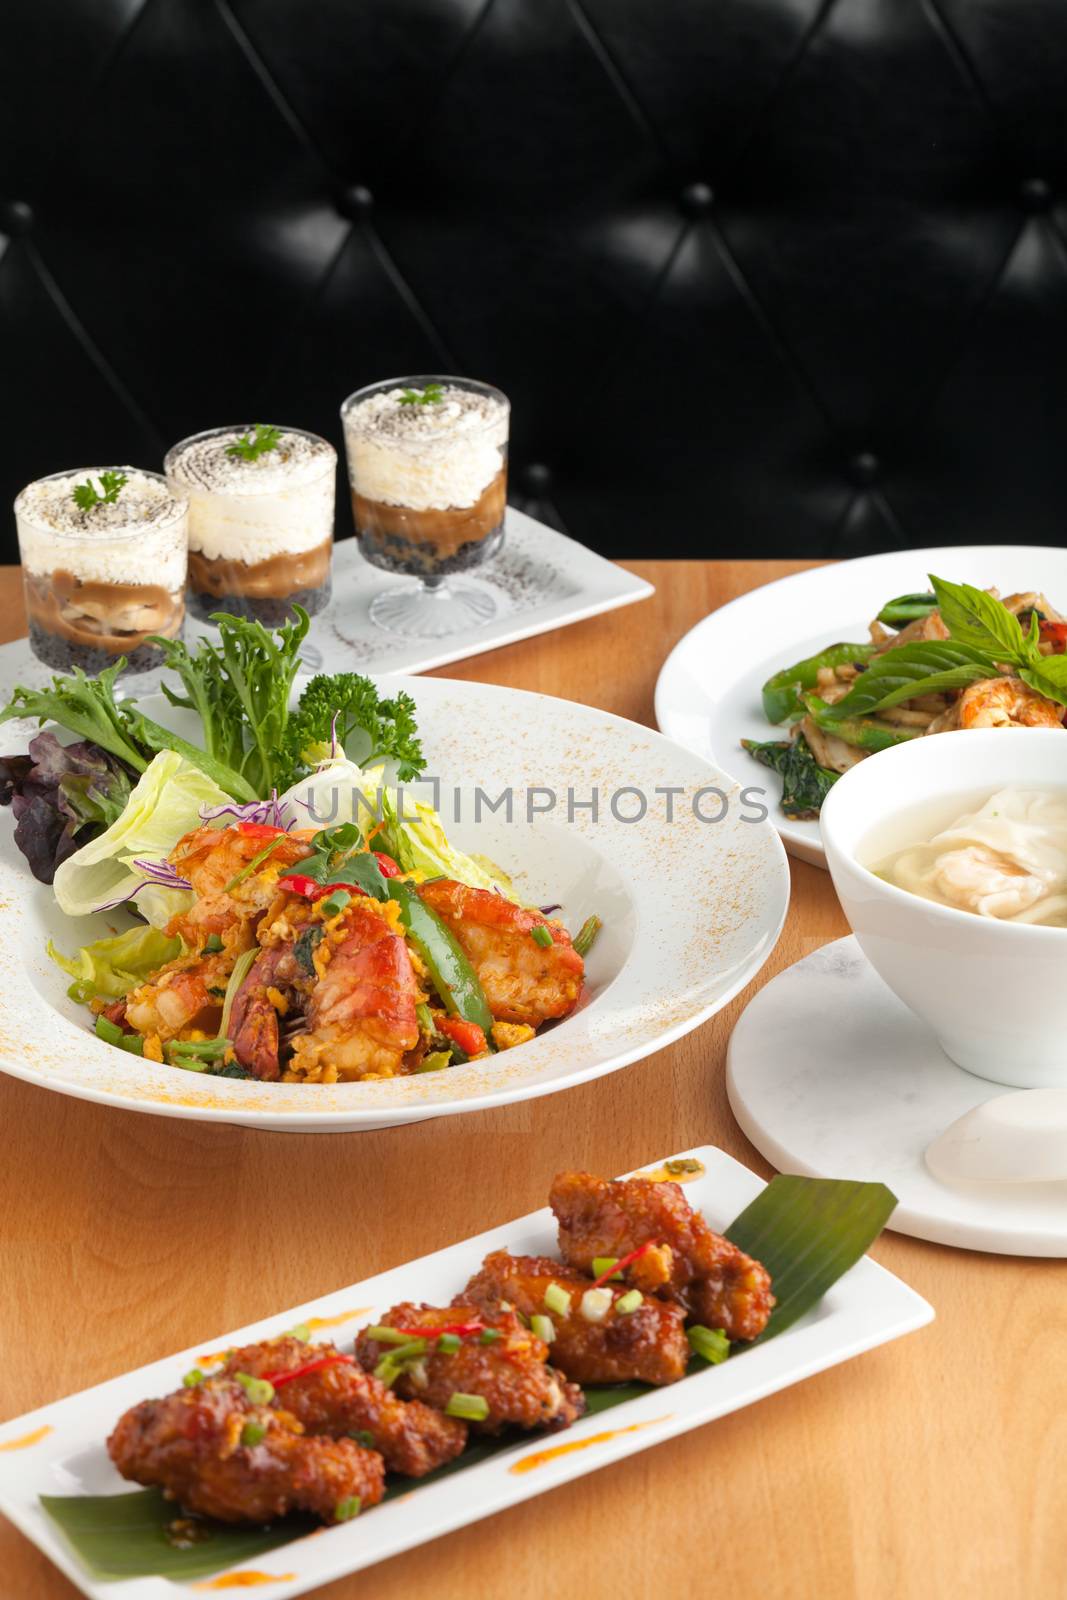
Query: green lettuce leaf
x=112 y=967
x=164 y=805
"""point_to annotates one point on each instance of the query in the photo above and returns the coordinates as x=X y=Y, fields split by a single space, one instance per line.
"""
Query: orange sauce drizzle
x=27 y=1439
x=541 y=1458
x=248 y=1579
x=662 y=1175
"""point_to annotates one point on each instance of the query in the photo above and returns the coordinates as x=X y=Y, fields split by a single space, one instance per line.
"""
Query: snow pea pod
x=865 y=733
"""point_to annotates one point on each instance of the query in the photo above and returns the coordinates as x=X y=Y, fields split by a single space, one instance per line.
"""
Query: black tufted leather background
x=761 y=276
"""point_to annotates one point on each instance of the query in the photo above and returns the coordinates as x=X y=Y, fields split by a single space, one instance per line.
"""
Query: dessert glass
x=99 y=582
x=261 y=530
x=427 y=464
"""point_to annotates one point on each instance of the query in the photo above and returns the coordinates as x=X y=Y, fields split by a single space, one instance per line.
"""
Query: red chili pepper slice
x=468 y=1035
x=311 y=889
x=259 y=830
x=1055 y=634
x=389 y=868
x=623 y=1263
x=460 y=1328
x=332 y=1360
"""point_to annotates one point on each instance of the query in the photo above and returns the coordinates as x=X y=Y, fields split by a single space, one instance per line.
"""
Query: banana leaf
x=807 y=1232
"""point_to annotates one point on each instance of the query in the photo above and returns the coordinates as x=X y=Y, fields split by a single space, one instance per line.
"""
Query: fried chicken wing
x=647 y=1344
x=686 y=1260
x=341 y=1398
x=216 y=1453
x=524 y=981
x=510 y=1373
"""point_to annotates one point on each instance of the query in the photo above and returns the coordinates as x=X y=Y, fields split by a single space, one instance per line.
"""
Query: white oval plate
x=691 y=911
x=708 y=691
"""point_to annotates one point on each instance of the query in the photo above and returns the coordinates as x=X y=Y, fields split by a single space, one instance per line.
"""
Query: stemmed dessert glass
x=427 y=465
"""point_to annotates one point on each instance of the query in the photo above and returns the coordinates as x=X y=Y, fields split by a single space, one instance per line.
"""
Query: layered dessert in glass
x=427 y=464
x=261 y=503
x=103 y=557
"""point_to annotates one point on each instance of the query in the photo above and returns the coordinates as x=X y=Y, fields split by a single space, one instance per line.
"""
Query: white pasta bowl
x=994 y=992
x=691 y=909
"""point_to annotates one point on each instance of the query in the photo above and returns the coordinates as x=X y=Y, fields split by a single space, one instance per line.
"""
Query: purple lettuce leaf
x=61 y=796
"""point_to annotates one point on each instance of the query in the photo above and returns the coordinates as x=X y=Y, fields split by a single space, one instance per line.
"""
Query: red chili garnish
x=468 y=1035
x=332 y=1360
x=623 y=1263
x=460 y=1328
x=259 y=830
x=1055 y=634
x=311 y=889
x=387 y=864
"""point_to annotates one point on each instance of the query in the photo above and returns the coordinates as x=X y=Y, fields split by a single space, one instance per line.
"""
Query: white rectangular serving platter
x=867 y=1307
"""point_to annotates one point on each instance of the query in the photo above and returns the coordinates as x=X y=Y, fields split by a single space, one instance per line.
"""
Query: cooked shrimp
x=275 y=985
x=186 y=993
x=1006 y=703
x=523 y=980
x=361 y=1016
x=211 y=858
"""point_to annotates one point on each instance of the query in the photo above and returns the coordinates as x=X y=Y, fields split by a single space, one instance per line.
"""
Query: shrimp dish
x=948 y=660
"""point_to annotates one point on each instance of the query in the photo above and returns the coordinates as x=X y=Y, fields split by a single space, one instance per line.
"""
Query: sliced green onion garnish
x=259 y=1390
x=364 y=1437
x=682 y=1164
x=448 y=1343
x=393 y=1362
x=596 y=1303
x=585 y=938
x=336 y=902
x=241 y=968
x=345 y=1510
x=627 y=1303
x=253 y=1433
x=558 y=1300
x=711 y=1343
x=489 y=1336
x=206 y=1049
x=603 y=1265
x=81 y=990
x=425 y=1017
x=543 y=1327
x=470 y=1407
x=110 y=1032
x=212 y=945
x=436 y=1061
x=387 y=1335
x=388 y=1370
x=186 y=1062
x=301 y=1332
x=541 y=935
x=192 y=1378
x=256 y=861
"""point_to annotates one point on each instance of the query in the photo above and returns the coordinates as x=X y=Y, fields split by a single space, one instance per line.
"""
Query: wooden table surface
x=934 y=1467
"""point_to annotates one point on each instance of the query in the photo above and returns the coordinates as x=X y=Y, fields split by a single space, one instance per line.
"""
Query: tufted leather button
x=537 y=478
x=1035 y=194
x=864 y=468
x=355 y=201
x=15 y=217
x=696 y=199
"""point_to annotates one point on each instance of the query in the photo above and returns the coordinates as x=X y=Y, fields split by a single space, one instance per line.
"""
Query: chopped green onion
x=301 y=1331
x=336 y=902
x=364 y=1437
x=187 y=1063
x=489 y=1336
x=711 y=1343
x=256 y=861
x=386 y=1335
x=393 y=1362
x=627 y=1303
x=253 y=1433
x=212 y=945
x=558 y=1300
x=596 y=1303
x=436 y=1061
x=448 y=1343
x=469 y=1407
x=348 y=1508
x=108 y=1031
x=585 y=938
x=241 y=968
x=682 y=1164
x=192 y=1378
x=206 y=1049
x=425 y=1017
x=542 y=936
x=259 y=1390
x=602 y=1265
x=543 y=1328
x=81 y=990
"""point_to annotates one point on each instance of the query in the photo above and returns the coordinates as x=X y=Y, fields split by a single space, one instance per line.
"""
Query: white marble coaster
x=829 y=1074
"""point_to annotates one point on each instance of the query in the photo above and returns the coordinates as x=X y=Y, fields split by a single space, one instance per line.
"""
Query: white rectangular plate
x=867 y=1307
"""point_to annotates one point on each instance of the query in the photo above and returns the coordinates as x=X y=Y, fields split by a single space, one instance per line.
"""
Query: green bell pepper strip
x=453 y=976
x=907 y=608
x=865 y=733
x=781 y=694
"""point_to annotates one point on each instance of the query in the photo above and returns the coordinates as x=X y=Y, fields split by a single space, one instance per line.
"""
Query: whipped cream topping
x=426 y=457
x=281 y=503
x=140 y=538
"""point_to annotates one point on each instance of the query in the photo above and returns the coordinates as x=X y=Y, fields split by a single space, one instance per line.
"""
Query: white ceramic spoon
x=1013 y=1138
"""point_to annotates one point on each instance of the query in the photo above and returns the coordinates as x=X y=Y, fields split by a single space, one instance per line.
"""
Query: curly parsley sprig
x=250 y=446
x=85 y=497
x=432 y=395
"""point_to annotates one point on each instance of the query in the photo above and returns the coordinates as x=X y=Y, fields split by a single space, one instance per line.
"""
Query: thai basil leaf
x=805 y=784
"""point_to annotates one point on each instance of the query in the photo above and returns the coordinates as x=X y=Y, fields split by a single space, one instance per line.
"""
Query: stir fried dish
x=954 y=658
x=290 y=1425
